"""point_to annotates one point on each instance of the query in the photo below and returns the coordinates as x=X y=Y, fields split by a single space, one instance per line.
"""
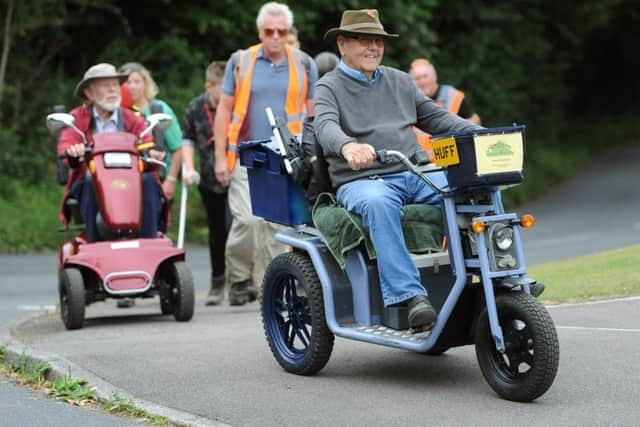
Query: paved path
x=219 y=367
x=25 y=290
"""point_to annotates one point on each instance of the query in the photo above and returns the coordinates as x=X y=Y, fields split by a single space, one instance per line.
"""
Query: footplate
x=409 y=335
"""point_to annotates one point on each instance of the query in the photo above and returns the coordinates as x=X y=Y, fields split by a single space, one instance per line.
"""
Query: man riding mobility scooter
x=477 y=281
x=119 y=264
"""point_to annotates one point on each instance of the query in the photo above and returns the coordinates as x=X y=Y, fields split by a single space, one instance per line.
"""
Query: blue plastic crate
x=275 y=196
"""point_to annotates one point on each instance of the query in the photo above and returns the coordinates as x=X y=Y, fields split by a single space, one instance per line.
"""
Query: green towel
x=343 y=231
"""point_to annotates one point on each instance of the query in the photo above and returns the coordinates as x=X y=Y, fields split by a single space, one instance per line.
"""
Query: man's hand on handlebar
x=359 y=155
x=157 y=154
x=76 y=150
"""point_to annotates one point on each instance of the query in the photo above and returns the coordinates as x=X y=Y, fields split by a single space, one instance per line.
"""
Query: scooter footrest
x=403 y=334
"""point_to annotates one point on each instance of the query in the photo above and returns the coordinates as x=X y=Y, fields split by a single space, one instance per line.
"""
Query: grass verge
x=71 y=390
x=604 y=275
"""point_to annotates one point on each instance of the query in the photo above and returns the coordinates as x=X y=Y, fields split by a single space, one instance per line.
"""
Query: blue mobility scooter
x=478 y=284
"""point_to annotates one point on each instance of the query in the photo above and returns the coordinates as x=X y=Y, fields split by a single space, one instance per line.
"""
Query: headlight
x=503 y=237
x=117 y=160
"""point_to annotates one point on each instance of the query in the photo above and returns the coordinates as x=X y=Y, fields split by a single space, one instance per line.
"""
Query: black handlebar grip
x=382 y=156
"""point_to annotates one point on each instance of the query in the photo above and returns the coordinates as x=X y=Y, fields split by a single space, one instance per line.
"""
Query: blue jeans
x=151 y=204
x=379 y=200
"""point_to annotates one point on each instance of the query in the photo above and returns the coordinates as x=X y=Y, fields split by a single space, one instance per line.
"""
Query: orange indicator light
x=527 y=221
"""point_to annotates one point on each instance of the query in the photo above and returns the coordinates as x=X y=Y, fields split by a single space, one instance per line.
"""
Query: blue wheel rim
x=288 y=319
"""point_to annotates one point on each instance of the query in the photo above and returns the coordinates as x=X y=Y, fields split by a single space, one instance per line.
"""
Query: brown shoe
x=216 y=294
x=422 y=315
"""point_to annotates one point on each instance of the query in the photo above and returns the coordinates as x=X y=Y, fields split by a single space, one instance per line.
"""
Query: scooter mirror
x=57 y=121
x=161 y=120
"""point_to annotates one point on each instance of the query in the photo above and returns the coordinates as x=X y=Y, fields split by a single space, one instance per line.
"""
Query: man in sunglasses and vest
x=268 y=74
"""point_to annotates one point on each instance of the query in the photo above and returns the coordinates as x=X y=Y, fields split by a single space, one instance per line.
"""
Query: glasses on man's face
x=269 y=32
x=366 y=41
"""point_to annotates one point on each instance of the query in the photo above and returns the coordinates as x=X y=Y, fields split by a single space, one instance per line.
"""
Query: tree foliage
x=539 y=62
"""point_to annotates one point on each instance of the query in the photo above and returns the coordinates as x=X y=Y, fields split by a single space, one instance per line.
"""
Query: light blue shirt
x=109 y=125
x=361 y=77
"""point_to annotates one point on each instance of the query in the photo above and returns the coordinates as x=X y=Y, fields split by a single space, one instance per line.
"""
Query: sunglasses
x=269 y=32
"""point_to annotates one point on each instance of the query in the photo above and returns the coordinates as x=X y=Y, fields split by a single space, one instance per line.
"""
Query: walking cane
x=183 y=210
x=195 y=179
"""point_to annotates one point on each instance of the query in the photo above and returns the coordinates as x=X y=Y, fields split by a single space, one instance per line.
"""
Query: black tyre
x=293 y=315
x=181 y=292
x=165 y=305
x=529 y=365
x=72 y=298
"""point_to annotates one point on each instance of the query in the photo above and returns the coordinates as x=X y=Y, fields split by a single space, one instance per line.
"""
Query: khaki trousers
x=251 y=244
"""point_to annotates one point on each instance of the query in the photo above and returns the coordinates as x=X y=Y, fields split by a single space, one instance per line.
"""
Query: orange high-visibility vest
x=294 y=105
x=450 y=99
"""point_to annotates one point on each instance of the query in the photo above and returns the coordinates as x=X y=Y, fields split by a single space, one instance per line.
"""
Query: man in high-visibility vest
x=268 y=74
x=446 y=96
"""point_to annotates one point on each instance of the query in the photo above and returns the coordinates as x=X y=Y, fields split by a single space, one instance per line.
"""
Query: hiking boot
x=421 y=313
x=243 y=292
x=253 y=291
x=125 y=303
x=216 y=294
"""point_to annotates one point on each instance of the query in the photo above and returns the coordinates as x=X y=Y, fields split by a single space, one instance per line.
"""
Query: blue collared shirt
x=109 y=125
x=360 y=76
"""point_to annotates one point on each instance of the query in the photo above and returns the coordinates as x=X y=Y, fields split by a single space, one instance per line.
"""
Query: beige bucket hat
x=98 y=71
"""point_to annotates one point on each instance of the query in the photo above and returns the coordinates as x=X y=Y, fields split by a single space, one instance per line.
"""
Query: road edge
x=61 y=367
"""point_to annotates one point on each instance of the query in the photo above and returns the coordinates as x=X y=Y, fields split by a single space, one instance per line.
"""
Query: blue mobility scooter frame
x=358 y=275
x=480 y=288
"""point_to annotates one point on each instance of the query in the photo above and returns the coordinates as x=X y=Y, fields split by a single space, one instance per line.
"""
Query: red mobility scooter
x=120 y=264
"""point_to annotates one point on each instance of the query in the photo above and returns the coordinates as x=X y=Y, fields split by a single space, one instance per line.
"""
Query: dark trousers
x=151 y=203
x=219 y=222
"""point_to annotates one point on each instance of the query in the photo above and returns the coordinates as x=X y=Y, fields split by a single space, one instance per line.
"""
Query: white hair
x=274 y=9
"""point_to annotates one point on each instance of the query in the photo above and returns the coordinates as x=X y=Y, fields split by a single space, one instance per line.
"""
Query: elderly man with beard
x=101 y=112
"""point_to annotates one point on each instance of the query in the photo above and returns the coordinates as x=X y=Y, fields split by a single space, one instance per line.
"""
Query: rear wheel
x=72 y=298
x=293 y=315
x=527 y=368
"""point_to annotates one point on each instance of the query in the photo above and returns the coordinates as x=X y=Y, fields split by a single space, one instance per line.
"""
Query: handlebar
x=388 y=156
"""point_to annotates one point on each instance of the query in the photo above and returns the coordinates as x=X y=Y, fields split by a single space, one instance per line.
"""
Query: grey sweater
x=380 y=114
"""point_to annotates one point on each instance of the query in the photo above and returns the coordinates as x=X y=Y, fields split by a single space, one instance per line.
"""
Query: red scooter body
x=118 y=189
x=126 y=266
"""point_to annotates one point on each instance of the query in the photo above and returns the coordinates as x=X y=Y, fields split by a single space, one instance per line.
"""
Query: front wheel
x=527 y=368
x=72 y=298
x=293 y=315
x=180 y=299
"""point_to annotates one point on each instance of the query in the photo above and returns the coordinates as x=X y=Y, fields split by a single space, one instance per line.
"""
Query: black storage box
x=491 y=156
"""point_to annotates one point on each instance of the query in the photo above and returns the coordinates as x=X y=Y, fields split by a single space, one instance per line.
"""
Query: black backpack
x=319 y=181
x=158 y=134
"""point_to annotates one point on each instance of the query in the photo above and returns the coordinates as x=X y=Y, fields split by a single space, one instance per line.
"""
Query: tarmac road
x=219 y=367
